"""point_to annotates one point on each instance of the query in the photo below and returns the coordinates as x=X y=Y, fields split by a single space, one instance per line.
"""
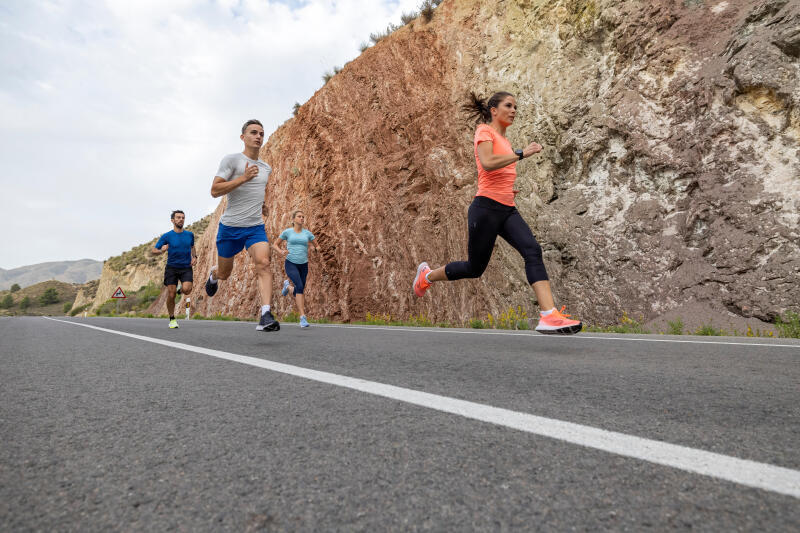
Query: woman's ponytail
x=476 y=109
x=480 y=111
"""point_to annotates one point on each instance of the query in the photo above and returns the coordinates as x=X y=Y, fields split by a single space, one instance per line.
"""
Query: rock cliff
x=669 y=176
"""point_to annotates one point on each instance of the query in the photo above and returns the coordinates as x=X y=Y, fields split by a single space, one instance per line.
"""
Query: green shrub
x=477 y=323
x=50 y=296
x=67 y=307
x=363 y=47
x=295 y=108
x=7 y=302
x=25 y=303
x=675 y=326
x=15 y=287
x=789 y=325
x=80 y=309
x=379 y=36
x=147 y=295
x=426 y=10
x=108 y=308
x=709 y=330
x=405 y=18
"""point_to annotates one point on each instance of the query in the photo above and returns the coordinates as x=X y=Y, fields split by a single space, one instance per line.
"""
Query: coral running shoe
x=558 y=322
x=420 y=283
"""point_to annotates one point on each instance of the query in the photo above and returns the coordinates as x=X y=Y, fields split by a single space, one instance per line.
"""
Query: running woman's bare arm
x=277 y=248
x=221 y=187
x=491 y=161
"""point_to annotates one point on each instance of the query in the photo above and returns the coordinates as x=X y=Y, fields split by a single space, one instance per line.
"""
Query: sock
x=211 y=277
x=172 y=318
x=545 y=313
x=427 y=278
x=264 y=309
x=302 y=316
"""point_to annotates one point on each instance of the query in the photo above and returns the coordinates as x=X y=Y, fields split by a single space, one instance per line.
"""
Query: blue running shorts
x=232 y=240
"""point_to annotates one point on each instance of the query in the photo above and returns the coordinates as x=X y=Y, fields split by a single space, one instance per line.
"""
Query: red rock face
x=669 y=174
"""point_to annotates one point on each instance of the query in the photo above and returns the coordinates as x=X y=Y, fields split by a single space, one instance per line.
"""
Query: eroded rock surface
x=670 y=172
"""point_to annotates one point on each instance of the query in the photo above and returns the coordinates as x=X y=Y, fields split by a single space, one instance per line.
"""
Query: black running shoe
x=268 y=323
x=211 y=288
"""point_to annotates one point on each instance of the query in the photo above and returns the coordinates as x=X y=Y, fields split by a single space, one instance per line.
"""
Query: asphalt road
x=102 y=431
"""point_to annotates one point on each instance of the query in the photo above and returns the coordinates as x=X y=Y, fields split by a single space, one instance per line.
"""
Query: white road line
x=580 y=336
x=744 y=472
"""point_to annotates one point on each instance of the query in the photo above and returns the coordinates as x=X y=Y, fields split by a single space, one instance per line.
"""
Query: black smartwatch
x=519 y=153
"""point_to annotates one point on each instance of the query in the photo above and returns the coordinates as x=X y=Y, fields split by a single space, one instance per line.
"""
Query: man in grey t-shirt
x=243 y=177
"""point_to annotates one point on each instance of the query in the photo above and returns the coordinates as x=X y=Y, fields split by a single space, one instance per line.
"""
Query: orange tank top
x=495 y=184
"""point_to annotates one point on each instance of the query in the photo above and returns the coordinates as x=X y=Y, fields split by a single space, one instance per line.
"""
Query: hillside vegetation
x=46 y=298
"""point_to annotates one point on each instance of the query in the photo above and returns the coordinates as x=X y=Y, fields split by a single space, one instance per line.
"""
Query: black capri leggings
x=488 y=219
x=296 y=273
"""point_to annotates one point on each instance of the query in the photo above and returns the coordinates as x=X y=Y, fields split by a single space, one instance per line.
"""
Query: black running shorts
x=173 y=275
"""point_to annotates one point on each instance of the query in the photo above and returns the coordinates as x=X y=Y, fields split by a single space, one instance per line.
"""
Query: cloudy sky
x=116 y=112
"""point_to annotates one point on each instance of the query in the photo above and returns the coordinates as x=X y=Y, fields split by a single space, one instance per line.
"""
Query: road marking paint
x=742 y=471
x=562 y=337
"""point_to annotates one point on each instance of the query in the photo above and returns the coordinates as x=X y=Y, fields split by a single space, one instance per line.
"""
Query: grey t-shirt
x=244 y=202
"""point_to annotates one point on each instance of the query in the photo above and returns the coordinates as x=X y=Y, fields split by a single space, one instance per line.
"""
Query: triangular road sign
x=118 y=293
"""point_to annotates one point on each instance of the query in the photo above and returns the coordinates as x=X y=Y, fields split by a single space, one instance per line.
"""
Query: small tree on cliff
x=7 y=302
x=15 y=287
x=50 y=296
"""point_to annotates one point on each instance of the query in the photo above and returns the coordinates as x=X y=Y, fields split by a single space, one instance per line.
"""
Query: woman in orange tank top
x=493 y=213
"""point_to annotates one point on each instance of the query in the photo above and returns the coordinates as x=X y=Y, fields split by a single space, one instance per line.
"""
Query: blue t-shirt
x=179 y=254
x=297 y=243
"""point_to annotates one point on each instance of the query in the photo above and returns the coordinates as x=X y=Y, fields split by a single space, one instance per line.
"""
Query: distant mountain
x=79 y=271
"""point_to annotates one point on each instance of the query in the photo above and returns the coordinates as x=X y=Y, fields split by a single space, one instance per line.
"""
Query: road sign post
x=118 y=295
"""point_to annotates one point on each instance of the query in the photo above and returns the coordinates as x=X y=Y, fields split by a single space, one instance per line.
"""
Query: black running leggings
x=488 y=219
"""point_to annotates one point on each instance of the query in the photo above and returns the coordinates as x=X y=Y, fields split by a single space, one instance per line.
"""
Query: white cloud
x=116 y=112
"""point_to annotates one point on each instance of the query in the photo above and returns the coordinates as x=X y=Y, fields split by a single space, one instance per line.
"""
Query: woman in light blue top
x=297 y=240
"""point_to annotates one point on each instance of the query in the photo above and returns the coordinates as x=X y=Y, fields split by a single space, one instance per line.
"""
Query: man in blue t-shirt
x=179 y=245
